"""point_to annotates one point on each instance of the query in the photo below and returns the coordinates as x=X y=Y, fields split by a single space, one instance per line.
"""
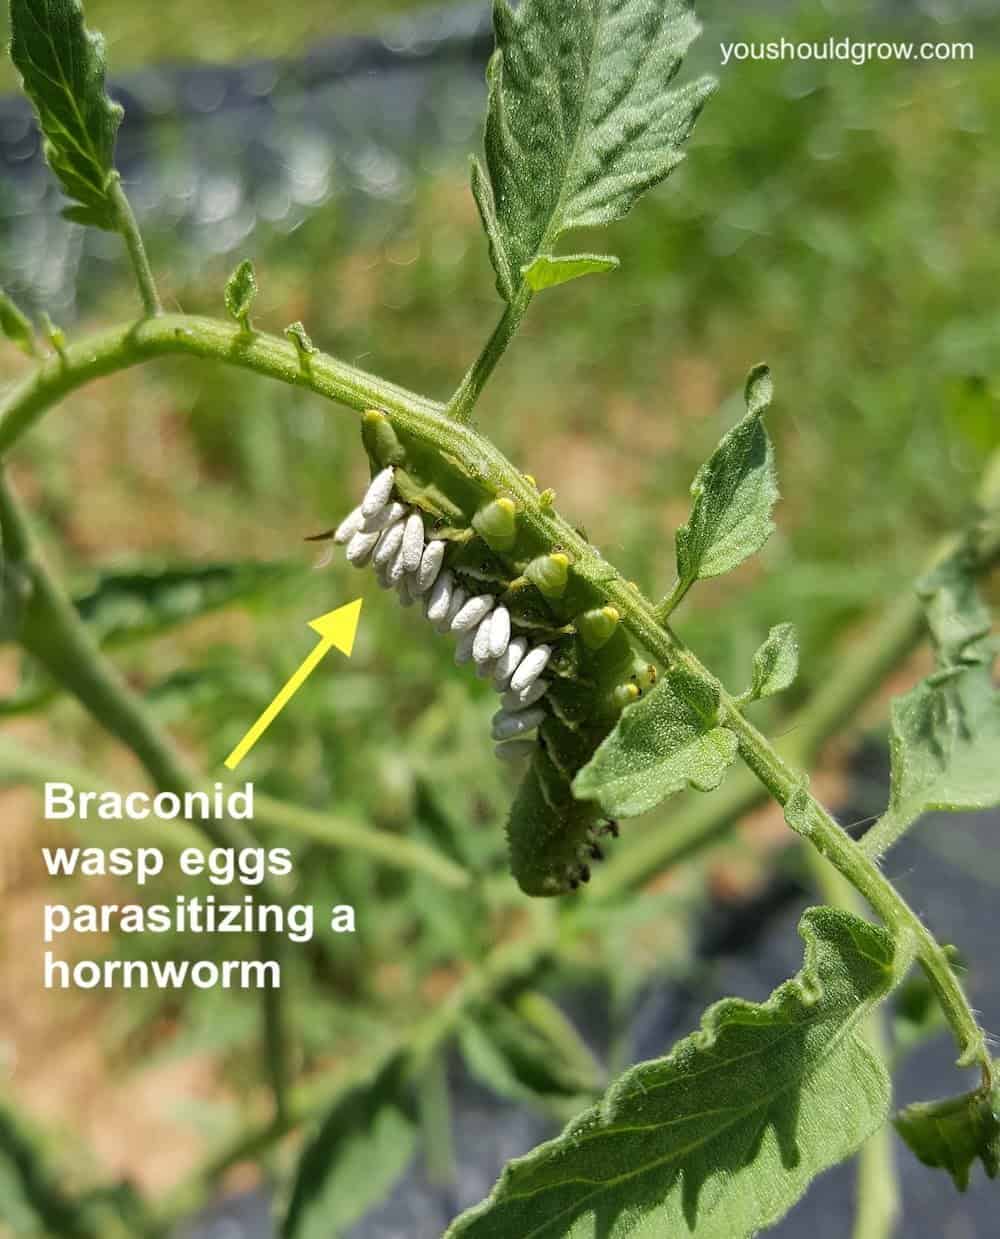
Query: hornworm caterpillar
x=436 y=534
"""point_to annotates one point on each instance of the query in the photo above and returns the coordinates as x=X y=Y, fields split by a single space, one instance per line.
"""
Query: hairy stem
x=808 y=817
x=668 y=605
x=460 y=406
x=129 y=229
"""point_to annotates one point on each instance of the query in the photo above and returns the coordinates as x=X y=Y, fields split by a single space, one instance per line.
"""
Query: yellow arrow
x=336 y=628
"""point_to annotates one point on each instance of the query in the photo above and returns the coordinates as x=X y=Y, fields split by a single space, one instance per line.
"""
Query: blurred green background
x=839 y=222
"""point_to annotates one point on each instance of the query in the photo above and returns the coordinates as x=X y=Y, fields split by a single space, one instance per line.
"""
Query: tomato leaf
x=724 y=1134
x=776 y=662
x=950 y=1134
x=362 y=1146
x=62 y=68
x=733 y=492
x=581 y=121
x=666 y=741
x=241 y=291
x=946 y=730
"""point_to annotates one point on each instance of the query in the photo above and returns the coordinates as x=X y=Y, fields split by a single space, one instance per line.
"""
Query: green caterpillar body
x=592 y=671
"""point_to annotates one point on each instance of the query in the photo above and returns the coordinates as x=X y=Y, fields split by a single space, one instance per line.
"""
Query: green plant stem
x=434 y=1107
x=668 y=605
x=460 y=406
x=120 y=348
x=877 y=1211
x=266 y=354
x=129 y=229
x=831 y=841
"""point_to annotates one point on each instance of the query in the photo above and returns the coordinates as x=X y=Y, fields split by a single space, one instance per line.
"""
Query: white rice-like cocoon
x=530 y=667
x=389 y=515
x=473 y=611
x=390 y=540
x=378 y=493
x=506 y=725
x=349 y=526
x=456 y=604
x=481 y=645
x=439 y=599
x=359 y=549
x=397 y=569
x=508 y=662
x=527 y=697
x=413 y=541
x=499 y=631
x=430 y=566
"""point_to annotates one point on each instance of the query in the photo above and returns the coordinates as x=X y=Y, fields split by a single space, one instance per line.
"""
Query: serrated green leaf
x=776 y=662
x=300 y=338
x=666 y=741
x=946 y=731
x=362 y=1146
x=62 y=67
x=950 y=1134
x=734 y=492
x=722 y=1136
x=581 y=121
x=241 y=290
x=545 y=271
x=16 y=326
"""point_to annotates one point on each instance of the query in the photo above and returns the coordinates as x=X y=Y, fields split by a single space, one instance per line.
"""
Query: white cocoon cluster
x=391 y=535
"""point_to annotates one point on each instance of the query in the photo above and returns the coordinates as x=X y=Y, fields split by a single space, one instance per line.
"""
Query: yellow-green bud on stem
x=380 y=440
x=496 y=524
x=597 y=627
x=550 y=573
